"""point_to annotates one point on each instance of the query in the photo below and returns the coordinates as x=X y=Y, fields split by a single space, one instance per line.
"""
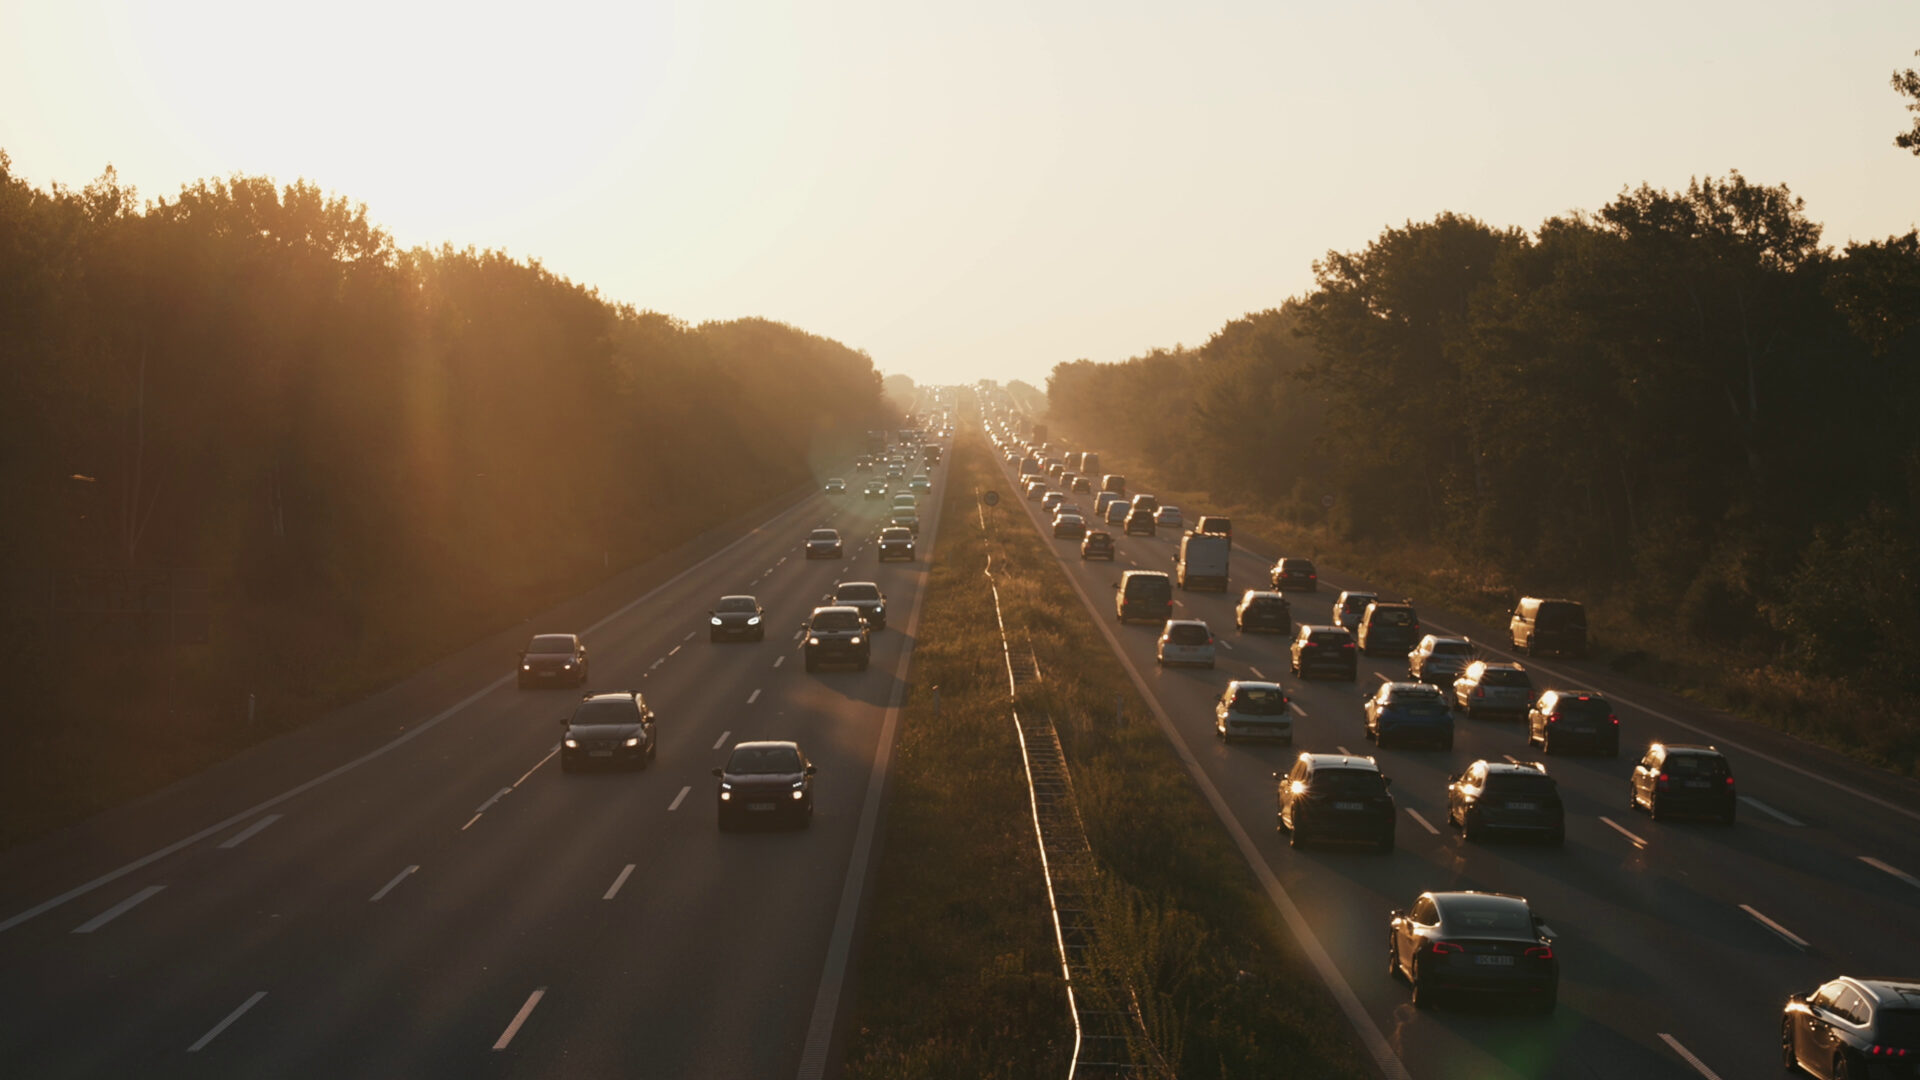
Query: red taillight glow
x=1479 y=691
x=1614 y=720
x=1553 y=718
x=1888 y=1051
x=1443 y=947
x=1729 y=781
x=1346 y=644
x=1541 y=952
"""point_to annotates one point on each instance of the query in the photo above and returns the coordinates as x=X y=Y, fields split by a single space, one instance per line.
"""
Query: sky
x=965 y=191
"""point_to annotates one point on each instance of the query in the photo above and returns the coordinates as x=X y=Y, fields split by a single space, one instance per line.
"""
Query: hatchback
x=1248 y=709
x=1350 y=606
x=1140 y=521
x=1488 y=688
x=1097 y=544
x=1574 y=719
x=1473 y=942
x=823 y=544
x=1295 y=575
x=1515 y=797
x=1853 y=1028
x=1323 y=649
x=1263 y=611
x=1117 y=511
x=1167 y=517
x=1404 y=712
x=1683 y=778
x=1439 y=660
x=1388 y=628
x=1185 y=641
x=1335 y=797
x=770 y=781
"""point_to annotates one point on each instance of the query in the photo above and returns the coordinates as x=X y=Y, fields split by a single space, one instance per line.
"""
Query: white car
x=1167 y=517
x=1186 y=641
x=1248 y=709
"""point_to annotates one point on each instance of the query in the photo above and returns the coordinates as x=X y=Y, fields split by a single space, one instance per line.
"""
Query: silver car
x=1487 y=688
x=1350 y=606
x=1186 y=641
x=1248 y=709
x=1439 y=660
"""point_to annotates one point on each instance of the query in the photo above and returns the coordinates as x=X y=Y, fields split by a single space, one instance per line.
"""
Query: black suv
x=865 y=597
x=1682 y=778
x=1268 y=611
x=765 y=781
x=552 y=659
x=1388 y=628
x=737 y=617
x=1335 y=797
x=1542 y=626
x=896 y=542
x=823 y=544
x=1140 y=520
x=1323 y=649
x=1296 y=575
x=1566 y=719
x=1853 y=1027
x=1097 y=544
x=608 y=729
x=837 y=635
x=1508 y=797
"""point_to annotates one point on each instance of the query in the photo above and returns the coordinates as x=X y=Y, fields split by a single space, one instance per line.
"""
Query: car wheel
x=1842 y=1067
x=1423 y=995
x=1614 y=750
x=1653 y=807
x=1294 y=839
x=1546 y=742
x=811 y=666
x=1209 y=665
x=1447 y=743
x=713 y=636
x=1394 y=971
x=1727 y=818
x=1353 y=676
x=566 y=763
x=1789 y=1061
x=864 y=662
x=760 y=634
x=1470 y=829
x=726 y=821
x=521 y=682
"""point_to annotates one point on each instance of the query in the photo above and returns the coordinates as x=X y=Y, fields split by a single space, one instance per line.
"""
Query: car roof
x=1161 y=574
x=1201 y=623
x=1440 y=639
x=1340 y=761
x=826 y=608
x=1444 y=898
x=1314 y=628
x=1408 y=687
x=612 y=695
x=817 y=532
x=738 y=596
x=1497 y=665
x=1383 y=604
x=1345 y=593
x=1888 y=991
x=765 y=744
x=1691 y=748
x=895 y=532
x=1531 y=768
x=857 y=584
x=1263 y=594
x=1254 y=684
x=1092 y=534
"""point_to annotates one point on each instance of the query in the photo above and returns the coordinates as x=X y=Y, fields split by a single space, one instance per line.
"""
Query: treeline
x=371 y=450
x=1684 y=400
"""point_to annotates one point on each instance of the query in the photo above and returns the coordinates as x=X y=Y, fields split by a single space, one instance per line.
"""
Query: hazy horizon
x=984 y=192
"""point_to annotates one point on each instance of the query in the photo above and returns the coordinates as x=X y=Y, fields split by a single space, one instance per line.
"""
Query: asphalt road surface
x=1679 y=941
x=414 y=888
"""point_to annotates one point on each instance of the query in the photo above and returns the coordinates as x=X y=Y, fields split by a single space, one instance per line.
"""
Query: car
x=1548 y=626
x=837 y=635
x=1067 y=478
x=1168 y=517
x=904 y=519
x=1569 y=719
x=1683 y=778
x=876 y=489
x=1439 y=660
x=906 y=500
x=824 y=544
x=1185 y=641
x=1493 y=688
x=1335 y=797
x=1253 y=709
x=896 y=470
x=1102 y=501
x=1097 y=544
x=1853 y=1027
x=552 y=660
x=1350 y=606
x=1139 y=521
x=1082 y=483
x=866 y=597
x=1036 y=490
x=1506 y=796
x=1263 y=612
x=1117 y=512
x=896 y=542
x=1388 y=628
x=1051 y=500
x=863 y=464
x=920 y=482
x=1473 y=943
x=1323 y=649
x=836 y=486
x=614 y=728
x=1295 y=575
x=1215 y=524
x=1144 y=594
x=737 y=617
x=1069 y=527
x=1146 y=502
x=764 y=780
x=1406 y=712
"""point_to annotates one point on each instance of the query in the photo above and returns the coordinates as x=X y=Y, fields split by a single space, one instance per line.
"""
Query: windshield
x=764 y=759
x=1561 y=616
x=1348 y=782
x=856 y=591
x=1296 y=566
x=620 y=711
x=824 y=534
x=836 y=620
x=1259 y=701
x=1486 y=917
x=737 y=603
x=1505 y=677
x=551 y=643
x=1188 y=634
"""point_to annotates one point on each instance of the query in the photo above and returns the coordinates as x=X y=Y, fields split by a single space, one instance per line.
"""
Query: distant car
x=1102 y=501
x=1144 y=501
x=836 y=486
x=920 y=482
x=1167 y=517
x=1388 y=628
x=1296 y=575
x=1051 y=500
x=866 y=597
x=876 y=489
x=1252 y=709
x=896 y=542
x=1512 y=797
x=553 y=659
x=1439 y=660
x=608 y=729
x=904 y=519
x=1117 y=512
x=1683 y=778
x=1214 y=523
x=1853 y=1027
x=765 y=780
x=1573 y=719
x=863 y=464
x=1097 y=544
x=1473 y=943
x=1263 y=612
x=1185 y=641
x=1140 y=521
x=1548 y=626
x=823 y=544
x=1404 y=712
x=896 y=470
x=1487 y=687
x=1081 y=483
x=1069 y=527
x=737 y=617
x=1323 y=649
x=1036 y=491
x=837 y=635
x=1335 y=797
x=1144 y=594
x=1350 y=605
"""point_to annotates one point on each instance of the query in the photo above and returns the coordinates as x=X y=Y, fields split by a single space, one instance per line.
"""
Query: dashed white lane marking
x=1424 y=823
x=722 y=740
x=390 y=886
x=519 y=1018
x=1379 y=675
x=783 y=558
x=1687 y=1056
x=678 y=799
x=778 y=660
x=1785 y=934
x=798 y=634
x=1784 y=819
x=1622 y=830
x=657 y=663
x=228 y=1022
x=117 y=910
x=675 y=649
x=1228 y=645
x=1344 y=750
x=619 y=881
x=243 y=835
x=1256 y=672
x=753 y=697
x=1883 y=867
x=1297 y=710
x=689 y=636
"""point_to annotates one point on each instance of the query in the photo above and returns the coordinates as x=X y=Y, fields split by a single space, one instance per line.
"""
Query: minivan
x=1144 y=594
x=1548 y=626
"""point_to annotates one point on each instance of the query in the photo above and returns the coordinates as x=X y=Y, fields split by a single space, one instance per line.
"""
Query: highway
x=1678 y=940
x=412 y=887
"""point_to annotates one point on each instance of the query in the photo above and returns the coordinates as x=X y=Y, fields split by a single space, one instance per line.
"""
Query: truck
x=1089 y=464
x=1202 y=562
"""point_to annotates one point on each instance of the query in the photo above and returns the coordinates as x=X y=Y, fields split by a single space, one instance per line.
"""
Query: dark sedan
x=737 y=617
x=1264 y=612
x=1473 y=943
x=1853 y=1028
x=896 y=542
x=1296 y=575
x=823 y=544
x=1098 y=544
x=613 y=729
x=765 y=781
x=553 y=660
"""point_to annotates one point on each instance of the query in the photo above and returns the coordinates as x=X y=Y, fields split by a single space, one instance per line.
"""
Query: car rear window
x=1583 y=707
x=1414 y=695
x=857 y=592
x=1347 y=782
x=1392 y=617
x=605 y=712
x=1521 y=784
x=764 y=759
x=1452 y=648
x=836 y=620
x=1259 y=701
x=1561 y=616
x=1149 y=586
x=1898 y=1027
x=1296 y=566
x=551 y=643
x=1471 y=916
x=1266 y=603
x=1188 y=634
x=1695 y=765
x=1328 y=637
x=1356 y=603
x=1505 y=677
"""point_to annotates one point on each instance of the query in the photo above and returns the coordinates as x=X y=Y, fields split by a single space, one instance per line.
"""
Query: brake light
x=1729 y=781
x=1661 y=780
x=1346 y=644
x=1887 y=1051
x=1541 y=952
x=1441 y=948
x=1479 y=691
x=1553 y=718
x=1614 y=720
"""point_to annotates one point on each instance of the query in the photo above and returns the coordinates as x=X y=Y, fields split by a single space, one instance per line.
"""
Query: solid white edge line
x=1687 y=1056
x=228 y=1022
x=722 y=740
x=497 y=796
x=117 y=910
x=1424 y=823
x=519 y=1018
x=678 y=799
x=618 y=881
x=1883 y=867
x=397 y=879
x=1622 y=830
x=379 y=751
x=243 y=835
x=1784 y=819
x=1789 y=936
x=753 y=697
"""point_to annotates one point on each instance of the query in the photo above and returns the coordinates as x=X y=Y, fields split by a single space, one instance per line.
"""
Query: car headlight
x=854 y=640
x=568 y=664
x=813 y=641
x=635 y=741
x=716 y=620
x=880 y=609
x=725 y=795
x=753 y=620
x=526 y=667
x=798 y=794
x=573 y=743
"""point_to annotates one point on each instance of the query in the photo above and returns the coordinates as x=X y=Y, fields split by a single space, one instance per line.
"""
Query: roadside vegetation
x=1682 y=409
x=958 y=972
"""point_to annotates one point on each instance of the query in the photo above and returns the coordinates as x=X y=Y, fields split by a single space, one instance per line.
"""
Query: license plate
x=599 y=753
x=1523 y=806
x=1699 y=783
x=1349 y=806
x=1494 y=961
x=762 y=806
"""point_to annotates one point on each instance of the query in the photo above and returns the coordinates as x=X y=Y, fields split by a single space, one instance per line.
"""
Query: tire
x=521 y=682
x=1294 y=839
x=1653 y=808
x=864 y=662
x=1209 y=665
x=1448 y=744
x=1394 y=970
x=1546 y=744
x=645 y=760
x=726 y=821
x=1842 y=1067
x=760 y=634
x=1728 y=817
x=1353 y=676
x=1789 y=1060
x=566 y=764
x=713 y=637
x=1423 y=994
x=1470 y=829
x=1547 y=1002
x=811 y=666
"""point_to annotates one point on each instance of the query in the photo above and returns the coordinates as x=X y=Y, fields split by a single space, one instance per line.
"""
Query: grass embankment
x=1827 y=711
x=958 y=976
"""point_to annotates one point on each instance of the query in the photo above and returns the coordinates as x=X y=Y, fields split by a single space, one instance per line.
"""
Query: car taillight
x=1614 y=720
x=1440 y=948
x=1346 y=644
x=1729 y=781
x=1479 y=691
x=1887 y=1051
x=1661 y=779
x=1541 y=952
x=1553 y=718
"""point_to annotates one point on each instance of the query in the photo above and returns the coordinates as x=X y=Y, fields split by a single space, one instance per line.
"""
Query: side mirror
x=1796 y=999
x=1116 y=585
x=1453 y=778
x=811 y=769
x=566 y=721
x=1387 y=781
x=718 y=771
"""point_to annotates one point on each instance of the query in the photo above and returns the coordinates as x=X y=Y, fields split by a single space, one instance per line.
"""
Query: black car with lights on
x=613 y=729
x=896 y=542
x=1574 y=720
x=865 y=597
x=737 y=617
x=1473 y=943
x=823 y=544
x=765 y=781
x=1336 y=797
x=837 y=635
x=553 y=660
x=1508 y=797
